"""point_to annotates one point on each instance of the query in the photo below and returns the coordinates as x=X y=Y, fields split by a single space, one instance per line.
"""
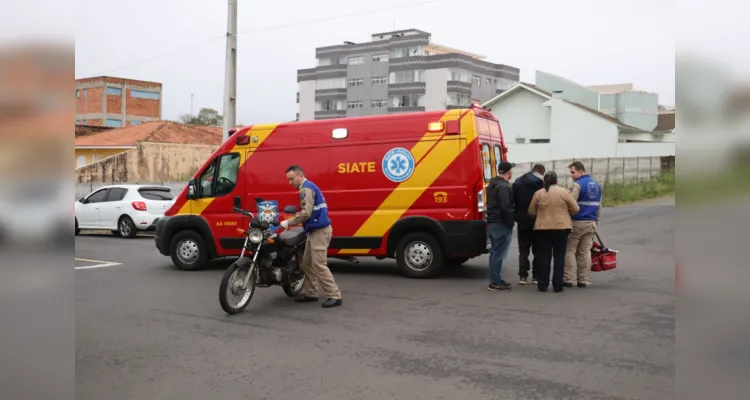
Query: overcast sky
x=588 y=41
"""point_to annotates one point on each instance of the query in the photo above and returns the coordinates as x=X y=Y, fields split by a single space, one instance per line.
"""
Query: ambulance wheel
x=188 y=251
x=419 y=255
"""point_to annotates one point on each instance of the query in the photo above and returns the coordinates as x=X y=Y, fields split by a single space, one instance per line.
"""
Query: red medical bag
x=602 y=258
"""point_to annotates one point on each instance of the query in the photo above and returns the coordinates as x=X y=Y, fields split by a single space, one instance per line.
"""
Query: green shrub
x=627 y=192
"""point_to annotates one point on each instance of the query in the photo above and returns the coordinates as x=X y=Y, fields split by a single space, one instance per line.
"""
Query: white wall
x=578 y=133
x=436 y=87
x=644 y=149
x=307 y=100
x=522 y=114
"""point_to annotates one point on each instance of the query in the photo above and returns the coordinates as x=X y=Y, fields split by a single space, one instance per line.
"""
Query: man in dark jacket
x=524 y=188
x=500 y=221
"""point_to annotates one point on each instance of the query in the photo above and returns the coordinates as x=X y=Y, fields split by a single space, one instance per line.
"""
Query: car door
x=88 y=211
x=112 y=208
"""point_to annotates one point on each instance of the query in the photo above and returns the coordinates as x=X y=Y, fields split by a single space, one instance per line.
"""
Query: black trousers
x=526 y=246
x=551 y=245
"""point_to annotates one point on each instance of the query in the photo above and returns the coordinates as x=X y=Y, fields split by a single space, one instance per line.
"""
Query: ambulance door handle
x=237 y=202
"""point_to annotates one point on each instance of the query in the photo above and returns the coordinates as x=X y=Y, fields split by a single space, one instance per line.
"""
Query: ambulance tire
x=189 y=241
x=420 y=256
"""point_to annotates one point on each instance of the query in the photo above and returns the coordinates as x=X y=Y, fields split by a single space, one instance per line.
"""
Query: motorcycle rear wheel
x=230 y=287
x=294 y=288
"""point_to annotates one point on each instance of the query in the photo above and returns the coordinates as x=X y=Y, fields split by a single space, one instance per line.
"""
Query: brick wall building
x=117 y=102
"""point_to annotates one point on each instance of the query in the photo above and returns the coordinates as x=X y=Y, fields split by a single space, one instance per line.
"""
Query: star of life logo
x=398 y=164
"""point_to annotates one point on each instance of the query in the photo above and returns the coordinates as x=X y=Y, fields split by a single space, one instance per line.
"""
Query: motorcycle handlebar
x=243 y=212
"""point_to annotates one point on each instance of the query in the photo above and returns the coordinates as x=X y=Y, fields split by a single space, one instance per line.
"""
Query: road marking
x=101 y=264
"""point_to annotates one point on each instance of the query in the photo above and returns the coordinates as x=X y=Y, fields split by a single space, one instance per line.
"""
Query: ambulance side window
x=498 y=154
x=486 y=162
x=220 y=177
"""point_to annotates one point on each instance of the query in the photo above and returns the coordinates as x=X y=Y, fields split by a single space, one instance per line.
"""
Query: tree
x=206 y=116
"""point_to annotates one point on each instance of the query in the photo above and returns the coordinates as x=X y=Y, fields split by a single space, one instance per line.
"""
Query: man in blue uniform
x=313 y=216
x=588 y=193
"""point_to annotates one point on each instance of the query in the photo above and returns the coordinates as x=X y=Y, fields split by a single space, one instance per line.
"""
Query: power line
x=192 y=46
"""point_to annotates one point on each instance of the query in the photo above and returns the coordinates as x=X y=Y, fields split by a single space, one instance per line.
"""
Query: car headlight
x=255 y=235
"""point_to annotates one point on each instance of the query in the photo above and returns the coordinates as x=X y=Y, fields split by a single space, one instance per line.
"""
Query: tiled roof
x=156 y=131
x=590 y=110
x=84 y=130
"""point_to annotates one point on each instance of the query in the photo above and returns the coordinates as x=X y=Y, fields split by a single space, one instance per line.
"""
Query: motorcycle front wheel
x=232 y=298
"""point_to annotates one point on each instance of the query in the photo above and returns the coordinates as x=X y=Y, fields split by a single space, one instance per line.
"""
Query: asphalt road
x=145 y=330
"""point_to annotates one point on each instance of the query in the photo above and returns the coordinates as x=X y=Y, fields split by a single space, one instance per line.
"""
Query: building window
x=380 y=58
x=407 y=100
x=406 y=76
x=407 y=52
x=115 y=123
x=488 y=81
x=323 y=61
x=78 y=92
x=536 y=141
x=381 y=80
x=476 y=80
x=354 y=105
x=459 y=75
x=458 y=99
x=343 y=60
x=143 y=94
x=84 y=92
x=356 y=82
x=379 y=103
x=113 y=91
x=520 y=140
x=80 y=161
x=330 y=105
x=356 y=60
x=332 y=83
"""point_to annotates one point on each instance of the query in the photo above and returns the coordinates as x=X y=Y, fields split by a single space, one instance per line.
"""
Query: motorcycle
x=267 y=258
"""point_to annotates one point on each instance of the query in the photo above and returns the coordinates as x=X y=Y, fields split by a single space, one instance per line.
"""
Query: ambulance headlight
x=255 y=235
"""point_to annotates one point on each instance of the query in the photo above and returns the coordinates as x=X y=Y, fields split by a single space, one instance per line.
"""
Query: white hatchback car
x=123 y=209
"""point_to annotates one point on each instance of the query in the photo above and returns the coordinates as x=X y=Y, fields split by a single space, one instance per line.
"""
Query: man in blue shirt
x=314 y=218
x=588 y=194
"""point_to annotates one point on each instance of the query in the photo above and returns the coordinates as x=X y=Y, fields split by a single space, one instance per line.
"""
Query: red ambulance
x=405 y=186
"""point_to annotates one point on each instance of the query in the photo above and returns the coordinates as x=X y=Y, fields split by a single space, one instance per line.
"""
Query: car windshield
x=164 y=194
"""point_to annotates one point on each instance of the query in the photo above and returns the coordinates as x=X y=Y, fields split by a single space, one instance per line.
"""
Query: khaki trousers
x=315 y=265
x=578 y=251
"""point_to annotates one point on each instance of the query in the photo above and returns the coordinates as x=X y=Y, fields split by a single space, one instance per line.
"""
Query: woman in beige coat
x=553 y=207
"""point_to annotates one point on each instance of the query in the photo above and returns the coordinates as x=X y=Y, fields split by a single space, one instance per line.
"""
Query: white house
x=539 y=125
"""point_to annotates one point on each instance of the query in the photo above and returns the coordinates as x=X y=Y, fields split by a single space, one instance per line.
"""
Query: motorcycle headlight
x=255 y=235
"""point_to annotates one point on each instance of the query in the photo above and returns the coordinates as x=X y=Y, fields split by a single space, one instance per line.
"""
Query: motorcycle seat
x=293 y=238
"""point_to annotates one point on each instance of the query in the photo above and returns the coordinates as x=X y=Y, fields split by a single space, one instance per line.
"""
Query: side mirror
x=290 y=210
x=82 y=200
x=192 y=193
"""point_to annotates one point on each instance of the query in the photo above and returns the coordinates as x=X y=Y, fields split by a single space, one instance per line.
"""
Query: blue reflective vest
x=319 y=218
x=589 y=199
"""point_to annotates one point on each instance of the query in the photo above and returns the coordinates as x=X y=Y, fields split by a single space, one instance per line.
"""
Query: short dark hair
x=296 y=168
x=578 y=166
x=539 y=168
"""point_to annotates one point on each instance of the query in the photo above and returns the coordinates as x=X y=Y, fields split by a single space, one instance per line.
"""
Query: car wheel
x=419 y=255
x=189 y=251
x=126 y=227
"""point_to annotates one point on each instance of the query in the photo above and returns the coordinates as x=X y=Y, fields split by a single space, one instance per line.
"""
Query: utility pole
x=191 y=105
x=230 y=74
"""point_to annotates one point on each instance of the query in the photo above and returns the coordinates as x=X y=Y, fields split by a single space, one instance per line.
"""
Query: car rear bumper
x=146 y=221
x=465 y=238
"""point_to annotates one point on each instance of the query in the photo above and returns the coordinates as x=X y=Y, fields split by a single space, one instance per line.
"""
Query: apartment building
x=395 y=72
x=117 y=102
